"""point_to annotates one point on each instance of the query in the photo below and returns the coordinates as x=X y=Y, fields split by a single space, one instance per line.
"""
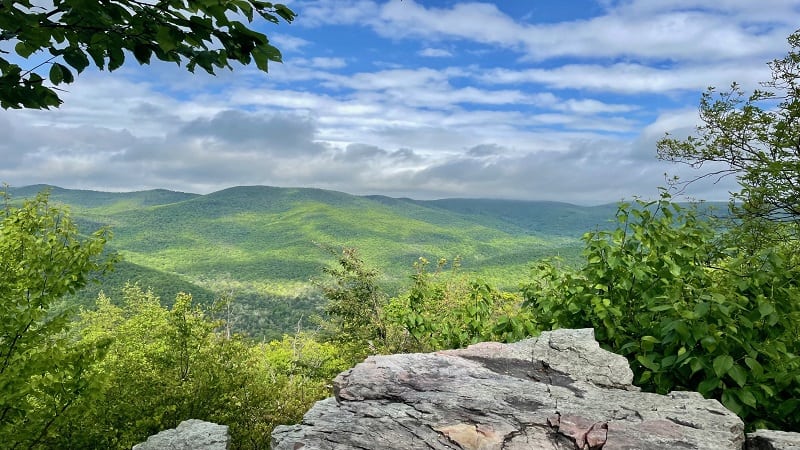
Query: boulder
x=773 y=440
x=190 y=434
x=557 y=391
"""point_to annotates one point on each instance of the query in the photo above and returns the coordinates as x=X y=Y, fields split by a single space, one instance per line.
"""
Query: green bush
x=445 y=309
x=165 y=365
x=689 y=312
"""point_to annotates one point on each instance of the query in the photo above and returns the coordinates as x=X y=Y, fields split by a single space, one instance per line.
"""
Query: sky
x=518 y=99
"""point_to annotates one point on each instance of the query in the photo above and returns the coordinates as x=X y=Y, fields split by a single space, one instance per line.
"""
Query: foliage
x=755 y=138
x=354 y=309
x=688 y=312
x=76 y=34
x=265 y=236
x=454 y=312
x=166 y=365
x=42 y=373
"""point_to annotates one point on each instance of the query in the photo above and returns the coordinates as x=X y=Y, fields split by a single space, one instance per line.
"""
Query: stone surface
x=773 y=440
x=557 y=391
x=191 y=434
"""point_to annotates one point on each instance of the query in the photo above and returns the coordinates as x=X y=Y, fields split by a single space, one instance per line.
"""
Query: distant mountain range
x=265 y=241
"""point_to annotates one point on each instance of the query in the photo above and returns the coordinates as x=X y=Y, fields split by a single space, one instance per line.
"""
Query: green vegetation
x=166 y=365
x=259 y=244
x=755 y=139
x=77 y=34
x=42 y=258
x=690 y=312
x=693 y=302
x=694 y=307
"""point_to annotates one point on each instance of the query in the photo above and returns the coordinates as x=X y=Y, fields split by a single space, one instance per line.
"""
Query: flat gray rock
x=190 y=434
x=773 y=440
x=557 y=391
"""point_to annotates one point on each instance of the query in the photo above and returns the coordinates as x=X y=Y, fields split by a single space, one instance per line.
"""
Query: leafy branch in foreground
x=755 y=138
x=70 y=35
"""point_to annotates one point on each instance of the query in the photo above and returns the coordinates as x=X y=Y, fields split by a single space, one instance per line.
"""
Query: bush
x=688 y=312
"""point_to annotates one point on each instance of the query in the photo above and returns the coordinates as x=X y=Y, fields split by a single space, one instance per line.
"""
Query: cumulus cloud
x=504 y=105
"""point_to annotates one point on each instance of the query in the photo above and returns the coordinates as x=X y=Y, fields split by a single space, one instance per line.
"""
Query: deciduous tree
x=69 y=35
x=755 y=138
x=42 y=373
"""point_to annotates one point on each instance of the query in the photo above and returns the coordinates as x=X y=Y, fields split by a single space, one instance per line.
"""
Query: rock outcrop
x=190 y=434
x=557 y=391
x=773 y=440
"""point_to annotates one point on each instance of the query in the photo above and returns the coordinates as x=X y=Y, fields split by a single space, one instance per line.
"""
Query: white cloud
x=569 y=110
x=288 y=43
x=328 y=63
x=631 y=78
x=685 y=30
x=435 y=53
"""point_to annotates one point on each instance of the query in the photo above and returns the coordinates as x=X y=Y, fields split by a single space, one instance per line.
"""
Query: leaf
x=142 y=53
x=116 y=57
x=765 y=309
x=23 y=49
x=754 y=366
x=56 y=75
x=730 y=402
x=746 y=397
x=707 y=386
x=76 y=58
x=98 y=55
x=701 y=309
x=738 y=374
x=722 y=364
x=168 y=38
x=647 y=361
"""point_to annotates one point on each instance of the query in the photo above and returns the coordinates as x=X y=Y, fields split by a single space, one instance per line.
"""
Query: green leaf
x=60 y=73
x=647 y=361
x=729 y=400
x=76 y=58
x=23 y=49
x=167 y=38
x=56 y=75
x=142 y=53
x=765 y=309
x=98 y=55
x=722 y=364
x=738 y=374
x=746 y=397
x=116 y=57
x=754 y=366
x=707 y=386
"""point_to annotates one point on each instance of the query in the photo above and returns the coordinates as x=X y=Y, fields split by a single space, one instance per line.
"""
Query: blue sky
x=540 y=100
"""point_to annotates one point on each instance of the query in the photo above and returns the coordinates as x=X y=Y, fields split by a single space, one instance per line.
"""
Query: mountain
x=265 y=243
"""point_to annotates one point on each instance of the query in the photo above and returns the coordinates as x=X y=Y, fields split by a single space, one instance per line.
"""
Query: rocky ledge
x=557 y=391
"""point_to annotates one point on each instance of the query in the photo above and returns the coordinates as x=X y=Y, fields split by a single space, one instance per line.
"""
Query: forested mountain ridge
x=263 y=244
x=236 y=230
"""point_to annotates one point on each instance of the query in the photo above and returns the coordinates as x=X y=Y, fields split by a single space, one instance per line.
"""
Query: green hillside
x=263 y=243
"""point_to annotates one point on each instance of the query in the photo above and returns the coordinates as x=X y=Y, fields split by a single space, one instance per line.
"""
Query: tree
x=354 y=312
x=446 y=309
x=42 y=373
x=165 y=365
x=756 y=139
x=72 y=34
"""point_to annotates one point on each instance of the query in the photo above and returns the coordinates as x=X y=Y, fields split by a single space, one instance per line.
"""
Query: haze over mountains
x=263 y=243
